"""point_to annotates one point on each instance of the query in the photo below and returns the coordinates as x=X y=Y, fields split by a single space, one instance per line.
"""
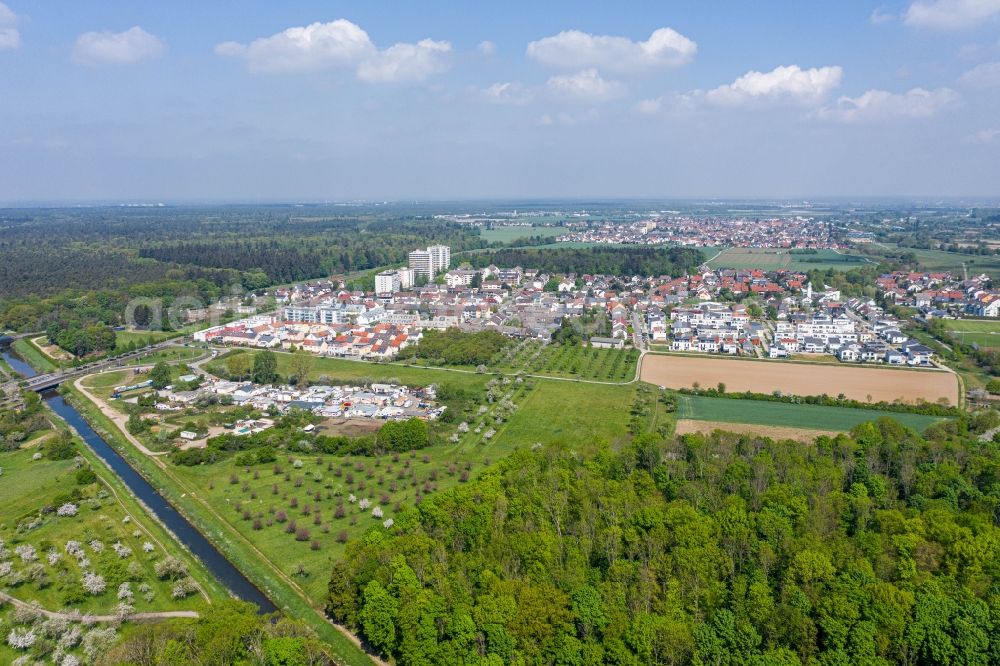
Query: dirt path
x=116 y=417
x=137 y=617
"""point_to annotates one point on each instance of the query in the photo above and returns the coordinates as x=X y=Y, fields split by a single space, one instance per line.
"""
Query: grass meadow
x=811 y=417
x=985 y=333
x=772 y=259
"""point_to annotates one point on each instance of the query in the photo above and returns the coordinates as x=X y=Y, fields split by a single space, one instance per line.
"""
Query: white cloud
x=510 y=92
x=880 y=16
x=986 y=75
x=585 y=86
x=340 y=44
x=572 y=49
x=985 y=136
x=405 y=62
x=950 y=14
x=789 y=83
x=649 y=107
x=877 y=105
x=315 y=46
x=564 y=119
x=117 y=48
x=487 y=48
x=10 y=36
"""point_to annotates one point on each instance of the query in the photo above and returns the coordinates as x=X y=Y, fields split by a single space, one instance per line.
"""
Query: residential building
x=387 y=282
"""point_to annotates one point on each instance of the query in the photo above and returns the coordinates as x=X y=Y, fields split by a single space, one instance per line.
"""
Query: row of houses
x=941 y=294
x=379 y=341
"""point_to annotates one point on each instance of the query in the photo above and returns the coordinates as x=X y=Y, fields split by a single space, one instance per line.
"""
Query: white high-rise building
x=440 y=257
x=431 y=261
x=387 y=282
x=420 y=264
x=405 y=277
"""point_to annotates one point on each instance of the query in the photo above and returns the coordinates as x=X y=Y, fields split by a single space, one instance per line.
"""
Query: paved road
x=639 y=337
x=52 y=378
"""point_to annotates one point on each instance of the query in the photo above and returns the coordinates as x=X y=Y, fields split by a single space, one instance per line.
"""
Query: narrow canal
x=202 y=548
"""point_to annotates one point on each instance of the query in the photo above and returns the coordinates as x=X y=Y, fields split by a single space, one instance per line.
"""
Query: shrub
x=85 y=476
x=185 y=587
x=61 y=448
x=93 y=583
x=170 y=567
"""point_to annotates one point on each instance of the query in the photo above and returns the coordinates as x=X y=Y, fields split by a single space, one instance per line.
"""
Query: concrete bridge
x=51 y=380
x=7 y=339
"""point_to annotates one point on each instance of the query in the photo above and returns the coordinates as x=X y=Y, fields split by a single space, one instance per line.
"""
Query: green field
x=771 y=259
x=33 y=355
x=815 y=417
x=985 y=333
x=939 y=260
x=140 y=338
x=169 y=355
x=575 y=412
x=570 y=361
x=511 y=234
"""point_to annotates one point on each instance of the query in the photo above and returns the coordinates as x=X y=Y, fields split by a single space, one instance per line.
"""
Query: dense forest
x=881 y=547
x=299 y=256
x=72 y=272
x=674 y=261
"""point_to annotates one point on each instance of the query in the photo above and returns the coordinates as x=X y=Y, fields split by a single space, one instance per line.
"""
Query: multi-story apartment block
x=431 y=261
x=387 y=282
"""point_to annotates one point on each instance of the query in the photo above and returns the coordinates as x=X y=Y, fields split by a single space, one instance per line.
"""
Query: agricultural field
x=857 y=382
x=511 y=234
x=771 y=259
x=571 y=361
x=302 y=510
x=940 y=260
x=985 y=333
x=813 y=417
x=576 y=412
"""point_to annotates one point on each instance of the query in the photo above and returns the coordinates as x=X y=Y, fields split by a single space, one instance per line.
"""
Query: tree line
x=673 y=261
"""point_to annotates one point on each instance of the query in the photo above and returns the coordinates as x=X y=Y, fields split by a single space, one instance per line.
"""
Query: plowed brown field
x=865 y=383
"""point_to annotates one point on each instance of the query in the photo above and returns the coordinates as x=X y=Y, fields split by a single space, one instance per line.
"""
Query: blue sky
x=225 y=101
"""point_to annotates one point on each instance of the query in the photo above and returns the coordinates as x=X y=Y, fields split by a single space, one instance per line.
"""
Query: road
x=51 y=379
x=640 y=338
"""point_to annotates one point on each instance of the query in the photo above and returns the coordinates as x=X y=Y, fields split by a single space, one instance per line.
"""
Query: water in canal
x=214 y=560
